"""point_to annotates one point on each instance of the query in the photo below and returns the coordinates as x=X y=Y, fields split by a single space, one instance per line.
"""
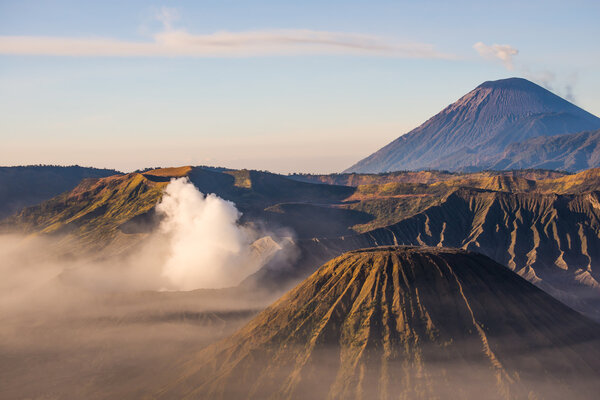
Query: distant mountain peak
x=510 y=83
x=478 y=127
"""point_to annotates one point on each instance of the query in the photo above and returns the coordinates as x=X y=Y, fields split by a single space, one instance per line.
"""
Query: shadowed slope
x=574 y=152
x=27 y=185
x=551 y=240
x=117 y=209
x=394 y=323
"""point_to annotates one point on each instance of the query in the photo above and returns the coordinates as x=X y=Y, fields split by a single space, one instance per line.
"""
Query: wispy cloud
x=503 y=52
x=173 y=43
x=563 y=85
x=167 y=16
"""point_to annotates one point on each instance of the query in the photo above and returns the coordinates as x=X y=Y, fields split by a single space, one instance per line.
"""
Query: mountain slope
x=479 y=126
x=424 y=177
x=28 y=185
x=574 y=152
x=396 y=323
x=551 y=240
x=116 y=210
x=93 y=212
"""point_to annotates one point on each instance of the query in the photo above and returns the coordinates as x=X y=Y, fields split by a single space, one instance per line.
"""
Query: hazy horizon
x=263 y=85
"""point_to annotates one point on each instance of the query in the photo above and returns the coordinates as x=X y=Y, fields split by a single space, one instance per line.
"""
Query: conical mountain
x=475 y=130
x=404 y=323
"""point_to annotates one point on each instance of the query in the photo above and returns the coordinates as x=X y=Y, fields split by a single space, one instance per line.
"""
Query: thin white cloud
x=502 y=52
x=174 y=43
x=167 y=16
x=562 y=85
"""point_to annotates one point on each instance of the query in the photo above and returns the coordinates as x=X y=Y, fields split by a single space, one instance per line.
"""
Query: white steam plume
x=207 y=247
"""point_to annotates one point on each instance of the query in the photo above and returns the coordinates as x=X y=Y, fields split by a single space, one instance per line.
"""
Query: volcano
x=473 y=132
x=403 y=323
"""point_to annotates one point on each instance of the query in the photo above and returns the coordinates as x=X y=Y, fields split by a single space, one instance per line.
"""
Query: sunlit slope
x=403 y=323
x=330 y=210
x=394 y=201
x=585 y=181
x=250 y=188
x=512 y=181
x=547 y=230
x=93 y=211
x=426 y=177
x=101 y=211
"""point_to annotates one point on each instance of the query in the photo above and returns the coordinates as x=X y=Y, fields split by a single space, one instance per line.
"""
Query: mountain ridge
x=23 y=186
x=551 y=240
x=573 y=152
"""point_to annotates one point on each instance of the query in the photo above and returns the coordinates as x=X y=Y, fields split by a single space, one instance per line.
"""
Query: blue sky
x=285 y=86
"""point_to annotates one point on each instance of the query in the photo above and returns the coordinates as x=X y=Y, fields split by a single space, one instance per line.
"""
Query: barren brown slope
x=113 y=210
x=403 y=323
x=93 y=212
x=391 y=202
x=425 y=177
x=552 y=240
x=584 y=181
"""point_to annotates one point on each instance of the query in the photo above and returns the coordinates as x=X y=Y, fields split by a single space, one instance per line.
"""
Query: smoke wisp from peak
x=562 y=84
x=207 y=248
x=503 y=52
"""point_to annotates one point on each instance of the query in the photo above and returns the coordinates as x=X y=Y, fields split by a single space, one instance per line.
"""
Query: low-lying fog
x=122 y=327
x=118 y=327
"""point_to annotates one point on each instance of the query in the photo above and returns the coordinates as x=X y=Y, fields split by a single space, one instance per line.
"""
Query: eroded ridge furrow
x=403 y=323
